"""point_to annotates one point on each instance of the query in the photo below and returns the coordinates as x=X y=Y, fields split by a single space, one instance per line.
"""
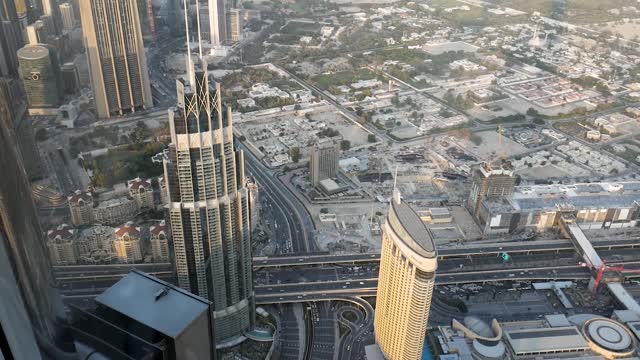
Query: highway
x=360 y=332
x=366 y=286
x=291 y=293
x=292 y=282
x=301 y=227
x=443 y=252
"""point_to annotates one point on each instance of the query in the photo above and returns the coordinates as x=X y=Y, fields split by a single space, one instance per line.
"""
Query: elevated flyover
x=530 y=247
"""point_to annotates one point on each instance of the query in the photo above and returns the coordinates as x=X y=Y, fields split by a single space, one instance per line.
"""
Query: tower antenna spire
x=199 y=30
x=186 y=30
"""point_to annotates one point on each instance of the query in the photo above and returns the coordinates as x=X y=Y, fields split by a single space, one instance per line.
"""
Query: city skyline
x=320 y=180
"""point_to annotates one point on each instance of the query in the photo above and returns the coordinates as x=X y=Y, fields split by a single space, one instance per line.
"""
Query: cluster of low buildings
x=99 y=244
x=119 y=207
x=102 y=231
x=544 y=89
x=598 y=162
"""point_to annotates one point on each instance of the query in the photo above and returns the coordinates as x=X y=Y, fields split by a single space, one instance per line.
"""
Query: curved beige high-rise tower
x=405 y=284
x=115 y=52
x=209 y=205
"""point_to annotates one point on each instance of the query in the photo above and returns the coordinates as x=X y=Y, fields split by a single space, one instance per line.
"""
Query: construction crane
x=604 y=267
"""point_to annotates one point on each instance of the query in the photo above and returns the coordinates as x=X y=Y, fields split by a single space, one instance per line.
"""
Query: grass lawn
x=301 y=28
x=122 y=164
x=629 y=155
x=342 y=78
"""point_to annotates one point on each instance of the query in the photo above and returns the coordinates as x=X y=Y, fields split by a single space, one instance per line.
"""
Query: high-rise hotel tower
x=209 y=204
x=405 y=284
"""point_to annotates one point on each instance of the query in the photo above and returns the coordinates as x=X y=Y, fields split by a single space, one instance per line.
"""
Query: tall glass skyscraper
x=209 y=204
x=408 y=265
x=115 y=51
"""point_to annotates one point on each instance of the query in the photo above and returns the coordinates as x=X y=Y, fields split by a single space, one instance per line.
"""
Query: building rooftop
x=159 y=228
x=548 y=340
x=79 y=195
x=33 y=52
x=623 y=194
x=154 y=303
x=610 y=335
x=63 y=231
x=138 y=183
x=114 y=202
x=329 y=185
x=128 y=228
x=413 y=232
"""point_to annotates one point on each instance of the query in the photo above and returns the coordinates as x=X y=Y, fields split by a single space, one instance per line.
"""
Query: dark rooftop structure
x=142 y=317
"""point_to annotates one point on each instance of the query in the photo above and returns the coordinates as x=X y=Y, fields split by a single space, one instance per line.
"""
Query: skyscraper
x=37 y=33
x=115 y=52
x=22 y=127
x=147 y=18
x=210 y=23
x=21 y=8
x=489 y=182
x=10 y=38
x=405 y=284
x=218 y=20
x=209 y=204
x=40 y=74
x=30 y=307
x=68 y=17
x=52 y=9
x=323 y=163
x=235 y=23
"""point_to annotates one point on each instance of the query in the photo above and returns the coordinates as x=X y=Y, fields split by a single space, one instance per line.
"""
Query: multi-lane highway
x=444 y=252
x=292 y=212
x=324 y=290
x=292 y=283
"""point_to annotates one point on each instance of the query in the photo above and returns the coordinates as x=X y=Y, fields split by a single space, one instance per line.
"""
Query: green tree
x=371 y=138
x=345 y=145
x=532 y=112
x=294 y=152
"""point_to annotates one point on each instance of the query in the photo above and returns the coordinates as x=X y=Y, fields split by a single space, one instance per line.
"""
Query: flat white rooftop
x=547 y=340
